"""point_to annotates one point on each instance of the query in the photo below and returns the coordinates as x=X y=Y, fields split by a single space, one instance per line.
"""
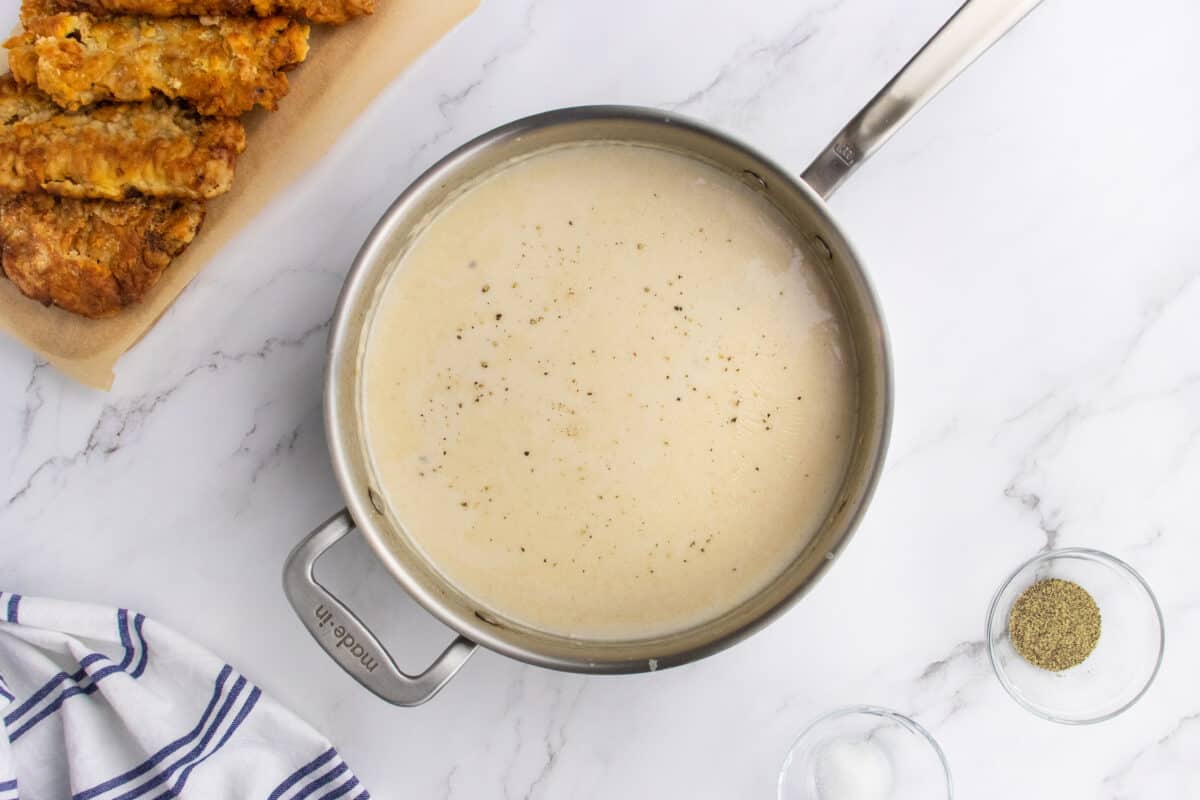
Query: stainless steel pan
x=977 y=25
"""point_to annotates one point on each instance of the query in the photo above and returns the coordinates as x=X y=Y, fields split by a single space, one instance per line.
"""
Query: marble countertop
x=1033 y=237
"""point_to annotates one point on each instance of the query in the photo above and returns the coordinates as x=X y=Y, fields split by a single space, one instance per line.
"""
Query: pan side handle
x=347 y=639
x=976 y=26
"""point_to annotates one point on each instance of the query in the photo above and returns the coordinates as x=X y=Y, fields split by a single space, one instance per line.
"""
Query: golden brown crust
x=113 y=151
x=222 y=66
x=92 y=257
x=333 y=12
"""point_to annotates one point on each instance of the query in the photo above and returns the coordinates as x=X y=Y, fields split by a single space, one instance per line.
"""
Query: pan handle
x=976 y=26
x=344 y=636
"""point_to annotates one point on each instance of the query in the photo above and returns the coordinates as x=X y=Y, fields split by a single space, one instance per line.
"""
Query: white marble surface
x=1033 y=236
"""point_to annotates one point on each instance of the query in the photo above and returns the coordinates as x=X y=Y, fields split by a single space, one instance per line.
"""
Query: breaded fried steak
x=333 y=12
x=222 y=66
x=156 y=148
x=92 y=257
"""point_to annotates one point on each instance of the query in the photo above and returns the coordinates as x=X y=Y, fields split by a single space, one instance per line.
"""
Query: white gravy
x=607 y=392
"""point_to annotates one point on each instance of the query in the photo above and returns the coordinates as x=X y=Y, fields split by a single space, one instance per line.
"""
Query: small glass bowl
x=865 y=752
x=1126 y=658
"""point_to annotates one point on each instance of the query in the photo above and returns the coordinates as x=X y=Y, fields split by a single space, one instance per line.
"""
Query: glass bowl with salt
x=865 y=753
x=1075 y=635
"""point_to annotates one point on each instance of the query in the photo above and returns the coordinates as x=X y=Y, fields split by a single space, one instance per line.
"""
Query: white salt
x=849 y=770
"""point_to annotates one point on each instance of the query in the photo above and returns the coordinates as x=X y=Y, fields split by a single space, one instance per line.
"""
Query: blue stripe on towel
x=138 y=619
x=14 y=606
x=323 y=780
x=341 y=790
x=123 y=632
x=53 y=684
x=162 y=754
x=79 y=675
x=302 y=773
x=80 y=678
x=8 y=785
x=247 y=707
x=165 y=775
x=86 y=683
x=68 y=693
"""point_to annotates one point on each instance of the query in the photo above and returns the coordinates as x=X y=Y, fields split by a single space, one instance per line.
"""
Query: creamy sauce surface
x=607 y=393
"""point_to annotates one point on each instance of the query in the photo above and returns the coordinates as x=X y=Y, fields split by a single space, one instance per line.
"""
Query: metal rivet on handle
x=755 y=180
x=488 y=618
x=822 y=247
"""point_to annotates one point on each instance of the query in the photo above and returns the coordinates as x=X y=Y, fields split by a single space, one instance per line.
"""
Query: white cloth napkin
x=104 y=704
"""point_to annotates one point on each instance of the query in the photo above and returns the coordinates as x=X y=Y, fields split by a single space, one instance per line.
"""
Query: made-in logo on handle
x=344 y=638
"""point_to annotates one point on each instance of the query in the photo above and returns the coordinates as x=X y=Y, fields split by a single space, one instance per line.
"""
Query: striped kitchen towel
x=104 y=704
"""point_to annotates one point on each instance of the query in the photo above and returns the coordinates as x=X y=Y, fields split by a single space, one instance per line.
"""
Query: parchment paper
x=346 y=68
